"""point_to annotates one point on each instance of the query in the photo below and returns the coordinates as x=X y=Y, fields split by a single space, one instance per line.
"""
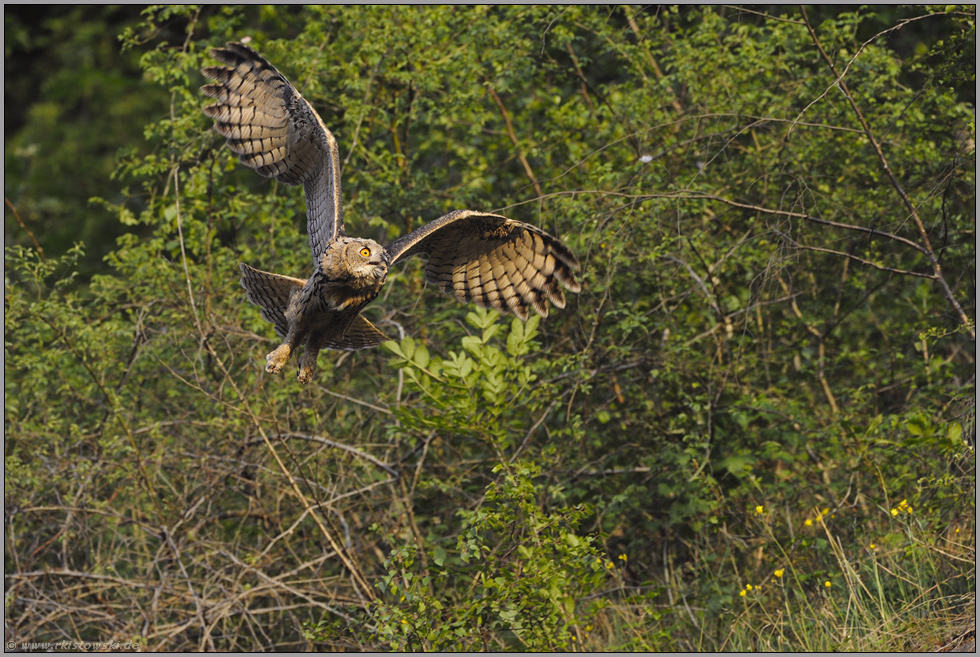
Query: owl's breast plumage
x=333 y=298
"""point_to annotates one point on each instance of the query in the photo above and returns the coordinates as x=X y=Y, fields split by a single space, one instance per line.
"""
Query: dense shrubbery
x=753 y=429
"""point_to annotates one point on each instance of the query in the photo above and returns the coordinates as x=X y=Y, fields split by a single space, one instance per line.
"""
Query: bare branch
x=27 y=230
x=332 y=443
x=206 y=638
x=818 y=249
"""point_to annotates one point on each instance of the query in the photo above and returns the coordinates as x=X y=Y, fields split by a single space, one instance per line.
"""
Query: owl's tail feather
x=271 y=292
x=361 y=335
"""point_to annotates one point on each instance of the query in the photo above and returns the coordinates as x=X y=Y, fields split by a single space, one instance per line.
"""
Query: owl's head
x=356 y=259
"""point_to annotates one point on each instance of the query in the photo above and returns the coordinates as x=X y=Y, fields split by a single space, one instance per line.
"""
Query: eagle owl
x=477 y=256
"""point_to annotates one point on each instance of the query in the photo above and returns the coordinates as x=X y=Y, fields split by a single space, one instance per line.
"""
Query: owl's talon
x=307 y=366
x=306 y=374
x=277 y=358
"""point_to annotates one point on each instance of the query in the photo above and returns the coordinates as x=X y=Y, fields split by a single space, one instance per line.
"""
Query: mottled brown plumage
x=476 y=256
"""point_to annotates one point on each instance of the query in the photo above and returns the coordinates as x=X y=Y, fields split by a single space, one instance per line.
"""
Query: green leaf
x=955 y=433
x=421 y=357
x=472 y=344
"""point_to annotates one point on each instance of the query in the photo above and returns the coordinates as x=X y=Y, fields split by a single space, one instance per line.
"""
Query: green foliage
x=775 y=216
x=74 y=102
x=472 y=393
x=519 y=578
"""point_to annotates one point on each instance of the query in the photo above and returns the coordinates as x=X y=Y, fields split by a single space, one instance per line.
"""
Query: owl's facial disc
x=368 y=258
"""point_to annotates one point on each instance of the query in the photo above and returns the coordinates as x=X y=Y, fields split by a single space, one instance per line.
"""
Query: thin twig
x=513 y=138
x=530 y=432
x=206 y=639
x=332 y=443
x=657 y=72
x=903 y=272
x=271 y=580
x=27 y=230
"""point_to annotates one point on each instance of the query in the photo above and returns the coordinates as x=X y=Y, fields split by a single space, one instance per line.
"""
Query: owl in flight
x=481 y=257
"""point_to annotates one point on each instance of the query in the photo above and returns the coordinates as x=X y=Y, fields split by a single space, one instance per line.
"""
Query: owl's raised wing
x=276 y=132
x=492 y=260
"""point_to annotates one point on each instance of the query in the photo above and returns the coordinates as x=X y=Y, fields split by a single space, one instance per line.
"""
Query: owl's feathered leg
x=318 y=339
x=307 y=365
x=278 y=356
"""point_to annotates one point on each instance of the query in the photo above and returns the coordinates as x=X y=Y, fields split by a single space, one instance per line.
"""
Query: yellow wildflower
x=748 y=587
x=742 y=593
x=873 y=546
x=902 y=506
x=807 y=523
x=827 y=584
x=778 y=572
x=759 y=509
x=622 y=557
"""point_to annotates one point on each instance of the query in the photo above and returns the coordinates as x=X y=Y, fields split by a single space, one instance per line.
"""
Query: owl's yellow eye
x=366 y=252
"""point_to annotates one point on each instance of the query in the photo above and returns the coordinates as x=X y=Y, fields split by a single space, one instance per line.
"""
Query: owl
x=477 y=256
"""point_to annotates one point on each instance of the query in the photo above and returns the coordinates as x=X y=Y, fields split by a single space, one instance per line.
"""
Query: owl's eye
x=366 y=252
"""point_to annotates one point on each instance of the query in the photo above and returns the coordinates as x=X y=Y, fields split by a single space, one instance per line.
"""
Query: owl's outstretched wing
x=492 y=260
x=276 y=132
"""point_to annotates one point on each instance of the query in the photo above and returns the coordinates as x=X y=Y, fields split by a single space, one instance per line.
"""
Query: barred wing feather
x=493 y=261
x=275 y=131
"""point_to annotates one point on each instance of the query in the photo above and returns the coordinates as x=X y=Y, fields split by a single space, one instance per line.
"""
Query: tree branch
x=926 y=245
x=26 y=229
x=903 y=272
x=332 y=443
x=513 y=138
